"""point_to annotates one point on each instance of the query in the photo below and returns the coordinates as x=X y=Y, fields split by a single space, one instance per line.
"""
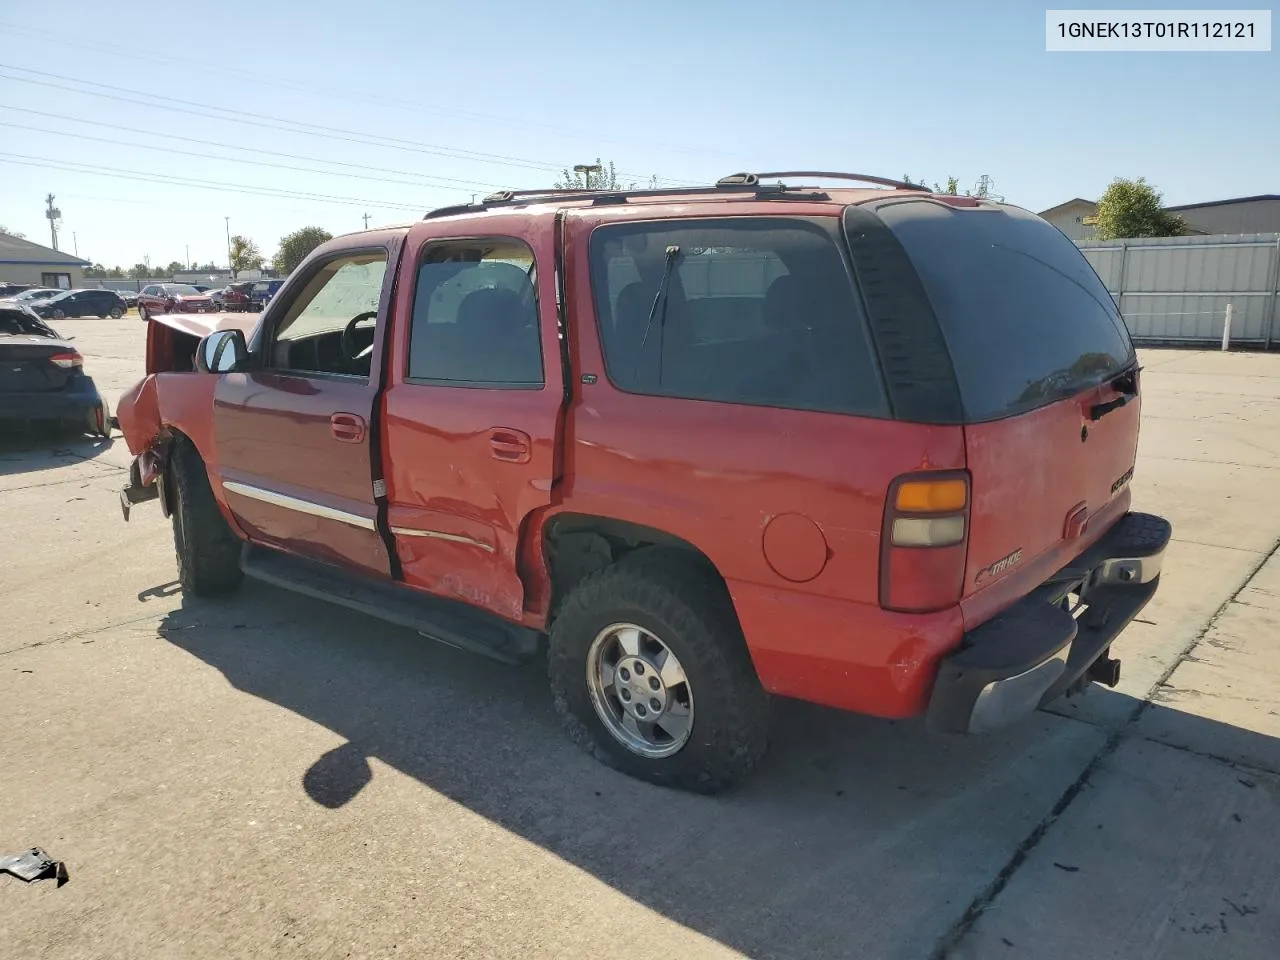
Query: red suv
x=865 y=447
x=173 y=298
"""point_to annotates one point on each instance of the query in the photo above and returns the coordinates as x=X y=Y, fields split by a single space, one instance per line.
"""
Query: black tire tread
x=731 y=709
x=208 y=552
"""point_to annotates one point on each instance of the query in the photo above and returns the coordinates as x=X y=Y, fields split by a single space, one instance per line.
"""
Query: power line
x=277 y=123
x=329 y=92
x=148 y=177
x=256 y=163
x=451 y=181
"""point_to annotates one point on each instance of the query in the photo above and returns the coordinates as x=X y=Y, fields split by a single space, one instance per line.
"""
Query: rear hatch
x=27 y=364
x=1048 y=384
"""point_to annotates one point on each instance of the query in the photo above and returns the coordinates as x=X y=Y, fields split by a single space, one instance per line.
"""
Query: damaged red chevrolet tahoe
x=866 y=447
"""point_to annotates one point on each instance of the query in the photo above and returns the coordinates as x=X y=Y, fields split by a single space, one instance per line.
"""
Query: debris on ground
x=34 y=864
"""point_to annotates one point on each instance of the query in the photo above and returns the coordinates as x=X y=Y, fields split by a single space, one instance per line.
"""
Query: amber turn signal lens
x=932 y=496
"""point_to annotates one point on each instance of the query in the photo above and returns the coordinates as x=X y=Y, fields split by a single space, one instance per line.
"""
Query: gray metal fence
x=1176 y=289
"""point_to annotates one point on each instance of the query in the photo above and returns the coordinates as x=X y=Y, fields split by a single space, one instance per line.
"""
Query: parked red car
x=235 y=297
x=172 y=298
x=869 y=448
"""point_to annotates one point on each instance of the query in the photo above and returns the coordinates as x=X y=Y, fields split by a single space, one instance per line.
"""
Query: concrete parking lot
x=268 y=776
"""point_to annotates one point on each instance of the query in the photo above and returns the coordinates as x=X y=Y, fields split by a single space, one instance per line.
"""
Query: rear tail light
x=67 y=360
x=924 y=542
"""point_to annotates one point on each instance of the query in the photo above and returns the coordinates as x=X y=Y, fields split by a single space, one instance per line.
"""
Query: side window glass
x=737 y=310
x=475 y=316
x=329 y=325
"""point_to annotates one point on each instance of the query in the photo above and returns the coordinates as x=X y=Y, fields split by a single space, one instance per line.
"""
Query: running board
x=450 y=622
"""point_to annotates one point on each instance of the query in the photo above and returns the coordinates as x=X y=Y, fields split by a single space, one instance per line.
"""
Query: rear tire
x=116 y=313
x=208 y=551
x=59 y=314
x=680 y=612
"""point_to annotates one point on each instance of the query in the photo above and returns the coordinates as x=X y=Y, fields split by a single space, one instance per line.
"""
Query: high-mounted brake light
x=924 y=542
x=67 y=360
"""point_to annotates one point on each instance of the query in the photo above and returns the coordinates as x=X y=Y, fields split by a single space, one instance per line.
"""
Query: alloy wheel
x=640 y=690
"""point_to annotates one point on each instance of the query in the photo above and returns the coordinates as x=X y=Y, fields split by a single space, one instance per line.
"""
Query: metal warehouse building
x=1260 y=214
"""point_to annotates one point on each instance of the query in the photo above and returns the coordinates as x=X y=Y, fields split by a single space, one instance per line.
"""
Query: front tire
x=59 y=314
x=142 y=313
x=651 y=675
x=208 y=551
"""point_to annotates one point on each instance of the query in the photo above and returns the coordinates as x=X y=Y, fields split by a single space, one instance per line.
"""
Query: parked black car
x=130 y=297
x=82 y=303
x=13 y=289
x=42 y=378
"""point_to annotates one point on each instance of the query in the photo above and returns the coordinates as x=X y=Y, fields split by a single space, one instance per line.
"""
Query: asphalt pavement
x=266 y=775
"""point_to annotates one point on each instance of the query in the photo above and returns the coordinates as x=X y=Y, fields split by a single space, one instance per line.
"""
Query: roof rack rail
x=752 y=179
x=514 y=198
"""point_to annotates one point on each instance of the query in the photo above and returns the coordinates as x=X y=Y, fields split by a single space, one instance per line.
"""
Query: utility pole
x=75 y=244
x=187 y=247
x=54 y=214
x=366 y=221
x=230 y=268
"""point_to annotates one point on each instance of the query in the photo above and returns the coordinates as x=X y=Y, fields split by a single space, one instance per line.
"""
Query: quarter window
x=475 y=316
x=739 y=310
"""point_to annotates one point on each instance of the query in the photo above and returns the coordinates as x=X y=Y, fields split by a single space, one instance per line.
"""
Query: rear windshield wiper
x=1126 y=385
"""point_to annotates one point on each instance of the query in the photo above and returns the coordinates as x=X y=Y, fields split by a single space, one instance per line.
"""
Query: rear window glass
x=757 y=311
x=1025 y=318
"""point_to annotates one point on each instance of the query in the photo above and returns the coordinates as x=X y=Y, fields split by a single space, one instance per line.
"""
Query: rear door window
x=1025 y=317
x=759 y=311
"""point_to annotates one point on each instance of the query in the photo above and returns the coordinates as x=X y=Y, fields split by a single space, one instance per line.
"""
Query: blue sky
x=503 y=94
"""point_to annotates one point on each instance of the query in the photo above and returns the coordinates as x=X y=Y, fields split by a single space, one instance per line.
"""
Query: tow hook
x=1104 y=670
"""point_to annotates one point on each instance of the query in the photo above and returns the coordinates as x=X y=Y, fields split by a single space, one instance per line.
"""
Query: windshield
x=181 y=289
x=38 y=294
x=1025 y=318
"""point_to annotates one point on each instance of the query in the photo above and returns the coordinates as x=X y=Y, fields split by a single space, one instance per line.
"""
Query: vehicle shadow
x=859 y=837
x=30 y=449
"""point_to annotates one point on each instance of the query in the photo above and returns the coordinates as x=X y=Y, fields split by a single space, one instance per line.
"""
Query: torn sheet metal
x=34 y=864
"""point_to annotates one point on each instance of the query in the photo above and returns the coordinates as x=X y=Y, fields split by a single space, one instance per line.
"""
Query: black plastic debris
x=34 y=864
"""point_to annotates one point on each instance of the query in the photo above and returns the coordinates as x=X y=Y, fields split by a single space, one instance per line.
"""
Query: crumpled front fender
x=138 y=413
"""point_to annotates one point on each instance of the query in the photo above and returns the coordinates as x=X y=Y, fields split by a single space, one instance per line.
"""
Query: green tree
x=245 y=255
x=139 y=271
x=984 y=189
x=1133 y=208
x=97 y=270
x=295 y=247
x=115 y=273
x=175 y=267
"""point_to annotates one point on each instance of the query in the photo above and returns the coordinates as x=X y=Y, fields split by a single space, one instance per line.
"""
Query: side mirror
x=222 y=352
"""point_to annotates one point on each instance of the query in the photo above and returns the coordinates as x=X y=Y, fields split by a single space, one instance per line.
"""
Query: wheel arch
x=574 y=545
